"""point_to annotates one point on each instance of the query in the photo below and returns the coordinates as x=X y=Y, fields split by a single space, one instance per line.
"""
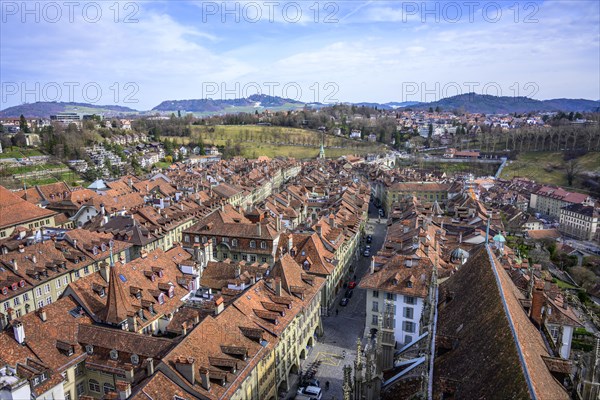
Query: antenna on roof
x=487 y=229
x=112 y=261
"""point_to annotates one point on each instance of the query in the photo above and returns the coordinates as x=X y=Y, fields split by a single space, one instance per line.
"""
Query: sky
x=140 y=53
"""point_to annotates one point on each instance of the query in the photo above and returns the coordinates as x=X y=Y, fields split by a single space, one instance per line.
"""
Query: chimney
x=219 y=305
x=259 y=227
x=102 y=209
x=372 y=266
x=238 y=271
x=14 y=264
x=187 y=368
x=290 y=242
x=278 y=286
x=19 y=332
x=105 y=271
x=124 y=389
x=278 y=222
x=537 y=304
x=42 y=314
x=150 y=366
x=460 y=238
x=205 y=378
x=319 y=230
x=75 y=243
x=184 y=328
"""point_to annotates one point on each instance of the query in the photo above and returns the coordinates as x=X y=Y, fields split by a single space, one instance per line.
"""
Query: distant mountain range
x=256 y=101
x=487 y=104
x=469 y=102
x=45 y=109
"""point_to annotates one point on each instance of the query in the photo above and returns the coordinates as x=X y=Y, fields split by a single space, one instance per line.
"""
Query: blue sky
x=139 y=53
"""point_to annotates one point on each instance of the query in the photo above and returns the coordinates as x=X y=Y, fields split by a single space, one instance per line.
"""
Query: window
x=86 y=270
x=47 y=288
x=253 y=244
x=66 y=280
x=80 y=389
x=17 y=301
x=77 y=275
x=225 y=240
x=94 y=386
x=375 y=293
x=48 y=300
x=252 y=258
x=264 y=259
x=409 y=300
x=67 y=395
x=38 y=292
x=235 y=257
x=375 y=306
x=196 y=239
x=263 y=245
x=234 y=243
x=408 y=312
x=375 y=320
x=408 y=326
x=108 y=388
x=6 y=306
x=25 y=296
x=186 y=238
x=57 y=283
x=390 y=296
x=40 y=303
x=408 y=339
x=224 y=255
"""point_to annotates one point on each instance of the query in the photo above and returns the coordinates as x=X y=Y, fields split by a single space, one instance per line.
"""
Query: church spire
x=116 y=309
x=322 y=151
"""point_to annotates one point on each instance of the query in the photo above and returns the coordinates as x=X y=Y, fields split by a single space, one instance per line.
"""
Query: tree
x=19 y=140
x=572 y=168
x=23 y=126
x=430 y=133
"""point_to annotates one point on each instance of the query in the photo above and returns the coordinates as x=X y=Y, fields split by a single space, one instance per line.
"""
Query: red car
x=351 y=285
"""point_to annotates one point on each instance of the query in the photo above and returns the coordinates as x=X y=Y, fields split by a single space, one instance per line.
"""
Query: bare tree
x=572 y=168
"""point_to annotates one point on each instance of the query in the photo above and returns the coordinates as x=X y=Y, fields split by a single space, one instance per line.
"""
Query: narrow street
x=337 y=347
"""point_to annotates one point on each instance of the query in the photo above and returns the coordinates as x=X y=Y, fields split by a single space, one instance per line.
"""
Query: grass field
x=272 y=141
x=547 y=167
x=19 y=153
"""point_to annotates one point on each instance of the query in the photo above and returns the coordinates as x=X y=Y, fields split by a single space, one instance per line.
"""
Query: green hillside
x=275 y=141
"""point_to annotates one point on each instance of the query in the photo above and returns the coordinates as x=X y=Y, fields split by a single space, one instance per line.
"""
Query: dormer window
x=103 y=247
x=161 y=298
x=252 y=244
x=135 y=359
x=263 y=245
x=89 y=349
x=234 y=243
x=22 y=283
x=95 y=250
x=409 y=284
x=138 y=294
x=114 y=354
x=14 y=286
x=4 y=290
x=171 y=291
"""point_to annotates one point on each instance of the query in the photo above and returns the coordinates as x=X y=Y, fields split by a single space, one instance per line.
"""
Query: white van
x=313 y=392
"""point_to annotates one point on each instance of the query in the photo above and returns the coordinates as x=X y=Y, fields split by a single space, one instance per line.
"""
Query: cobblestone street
x=337 y=347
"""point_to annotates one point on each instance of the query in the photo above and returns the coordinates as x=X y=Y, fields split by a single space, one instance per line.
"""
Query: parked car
x=381 y=214
x=352 y=285
x=314 y=392
x=369 y=238
x=344 y=301
x=348 y=293
x=367 y=253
